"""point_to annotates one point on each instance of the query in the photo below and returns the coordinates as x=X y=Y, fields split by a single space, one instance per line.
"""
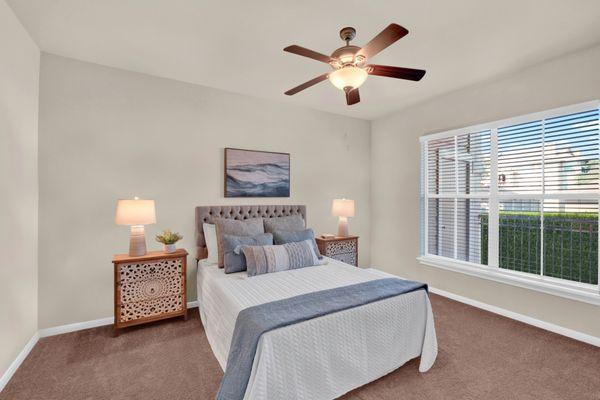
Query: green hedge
x=570 y=244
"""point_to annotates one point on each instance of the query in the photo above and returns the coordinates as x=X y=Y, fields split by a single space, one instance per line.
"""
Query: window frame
x=588 y=293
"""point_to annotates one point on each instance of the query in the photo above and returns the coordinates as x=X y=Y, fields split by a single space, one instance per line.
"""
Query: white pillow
x=210 y=237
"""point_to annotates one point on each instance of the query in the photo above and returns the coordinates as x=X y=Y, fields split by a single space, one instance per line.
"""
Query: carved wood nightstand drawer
x=133 y=311
x=152 y=288
x=159 y=269
x=340 y=247
x=149 y=288
x=344 y=249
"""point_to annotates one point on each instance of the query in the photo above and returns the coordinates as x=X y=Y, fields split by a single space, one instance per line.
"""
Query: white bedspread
x=325 y=357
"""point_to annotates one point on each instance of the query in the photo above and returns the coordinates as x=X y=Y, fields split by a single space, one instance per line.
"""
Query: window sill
x=574 y=291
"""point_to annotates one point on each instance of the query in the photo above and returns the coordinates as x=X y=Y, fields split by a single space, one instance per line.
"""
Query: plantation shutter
x=555 y=160
x=441 y=227
x=570 y=223
x=472 y=225
x=473 y=150
x=458 y=167
x=441 y=166
x=422 y=198
x=473 y=177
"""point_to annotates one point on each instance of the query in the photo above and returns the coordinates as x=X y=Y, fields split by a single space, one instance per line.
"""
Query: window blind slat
x=571 y=153
x=472 y=226
x=520 y=158
x=473 y=150
x=441 y=227
x=440 y=164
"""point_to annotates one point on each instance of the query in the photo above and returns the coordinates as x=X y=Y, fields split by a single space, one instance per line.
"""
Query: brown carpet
x=481 y=356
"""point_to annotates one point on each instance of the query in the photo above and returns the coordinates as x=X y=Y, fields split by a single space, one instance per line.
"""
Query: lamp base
x=137 y=241
x=343 y=226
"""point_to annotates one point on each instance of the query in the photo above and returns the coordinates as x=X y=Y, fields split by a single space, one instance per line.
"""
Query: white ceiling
x=237 y=45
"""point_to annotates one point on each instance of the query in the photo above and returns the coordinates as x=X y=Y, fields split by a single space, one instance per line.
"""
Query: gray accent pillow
x=233 y=258
x=283 y=237
x=246 y=227
x=266 y=259
x=289 y=223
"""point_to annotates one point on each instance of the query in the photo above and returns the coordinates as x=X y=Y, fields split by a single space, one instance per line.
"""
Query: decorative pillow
x=266 y=259
x=247 y=227
x=283 y=237
x=233 y=258
x=210 y=237
x=289 y=223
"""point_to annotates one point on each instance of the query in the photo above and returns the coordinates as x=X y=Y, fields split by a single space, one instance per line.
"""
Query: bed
x=320 y=358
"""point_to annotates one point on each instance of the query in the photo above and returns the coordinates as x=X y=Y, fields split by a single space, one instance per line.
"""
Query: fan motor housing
x=345 y=56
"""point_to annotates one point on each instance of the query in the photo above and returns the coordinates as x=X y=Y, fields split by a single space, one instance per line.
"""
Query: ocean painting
x=250 y=173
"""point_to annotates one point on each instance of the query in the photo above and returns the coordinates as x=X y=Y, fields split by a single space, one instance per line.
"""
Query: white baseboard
x=12 y=368
x=78 y=326
x=582 y=337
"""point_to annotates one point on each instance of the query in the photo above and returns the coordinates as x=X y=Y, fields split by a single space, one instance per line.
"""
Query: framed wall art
x=252 y=173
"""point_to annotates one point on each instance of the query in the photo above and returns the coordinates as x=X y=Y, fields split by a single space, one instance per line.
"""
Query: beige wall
x=19 y=74
x=395 y=178
x=107 y=134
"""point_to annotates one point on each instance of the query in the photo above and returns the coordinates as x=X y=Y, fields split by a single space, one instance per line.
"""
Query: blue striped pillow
x=274 y=258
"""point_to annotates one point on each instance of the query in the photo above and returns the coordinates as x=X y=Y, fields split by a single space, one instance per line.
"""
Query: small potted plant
x=169 y=239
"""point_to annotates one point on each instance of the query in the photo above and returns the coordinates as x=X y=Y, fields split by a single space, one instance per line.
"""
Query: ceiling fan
x=349 y=63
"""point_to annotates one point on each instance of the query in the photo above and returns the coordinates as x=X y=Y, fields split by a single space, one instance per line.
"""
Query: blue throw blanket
x=252 y=322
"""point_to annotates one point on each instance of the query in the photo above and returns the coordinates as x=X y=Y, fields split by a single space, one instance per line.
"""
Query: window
x=517 y=200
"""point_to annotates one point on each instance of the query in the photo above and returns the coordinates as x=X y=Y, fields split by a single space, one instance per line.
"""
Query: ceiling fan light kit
x=348 y=78
x=349 y=63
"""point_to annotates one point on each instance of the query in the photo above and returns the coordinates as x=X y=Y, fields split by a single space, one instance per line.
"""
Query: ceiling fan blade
x=306 y=85
x=302 y=51
x=352 y=97
x=396 y=72
x=385 y=38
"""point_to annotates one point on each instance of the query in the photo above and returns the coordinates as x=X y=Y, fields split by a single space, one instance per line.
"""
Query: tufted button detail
x=209 y=214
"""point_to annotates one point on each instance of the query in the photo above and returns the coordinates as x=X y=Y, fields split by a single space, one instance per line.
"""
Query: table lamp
x=342 y=208
x=136 y=213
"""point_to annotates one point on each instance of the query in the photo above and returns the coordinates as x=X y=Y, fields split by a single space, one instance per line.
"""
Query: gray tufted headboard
x=205 y=214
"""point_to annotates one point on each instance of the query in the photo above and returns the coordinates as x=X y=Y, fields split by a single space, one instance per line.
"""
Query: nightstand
x=344 y=249
x=149 y=287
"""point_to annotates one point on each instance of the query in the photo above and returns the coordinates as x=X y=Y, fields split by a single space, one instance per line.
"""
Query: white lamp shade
x=342 y=208
x=135 y=212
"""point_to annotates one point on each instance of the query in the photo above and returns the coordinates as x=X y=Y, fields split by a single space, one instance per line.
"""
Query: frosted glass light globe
x=349 y=76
